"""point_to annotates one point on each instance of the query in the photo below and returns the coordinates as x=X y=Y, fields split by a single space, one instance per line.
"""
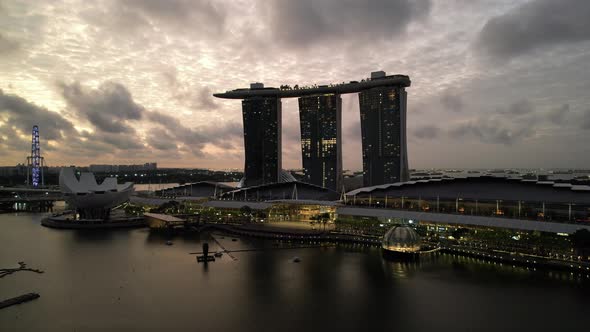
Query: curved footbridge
x=459 y=219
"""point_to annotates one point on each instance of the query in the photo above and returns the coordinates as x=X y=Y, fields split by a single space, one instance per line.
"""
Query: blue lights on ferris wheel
x=36 y=156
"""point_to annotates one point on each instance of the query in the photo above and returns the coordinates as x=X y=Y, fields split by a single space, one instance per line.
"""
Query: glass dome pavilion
x=401 y=238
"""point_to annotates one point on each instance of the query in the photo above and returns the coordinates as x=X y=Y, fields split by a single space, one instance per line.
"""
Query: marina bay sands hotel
x=382 y=101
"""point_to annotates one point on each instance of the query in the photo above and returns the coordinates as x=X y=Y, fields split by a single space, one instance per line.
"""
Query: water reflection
x=137 y=281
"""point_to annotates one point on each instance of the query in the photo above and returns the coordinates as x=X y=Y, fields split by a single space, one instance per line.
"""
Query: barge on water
x=19 y=299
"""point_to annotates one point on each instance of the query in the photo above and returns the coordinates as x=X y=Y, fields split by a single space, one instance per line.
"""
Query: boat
x=19 y=299
x=169 y=243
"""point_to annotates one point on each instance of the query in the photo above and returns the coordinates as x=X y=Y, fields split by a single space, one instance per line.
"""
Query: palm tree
x=581 y=242
x=246 y=212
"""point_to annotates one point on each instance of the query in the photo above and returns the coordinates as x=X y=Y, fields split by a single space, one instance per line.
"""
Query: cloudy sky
x=495 y=83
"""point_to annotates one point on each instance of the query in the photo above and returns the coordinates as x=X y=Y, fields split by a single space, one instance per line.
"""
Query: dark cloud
x=451 y=101
x=195 y=97
x=7 y=45
x=558 y=115
x=493 y=133
x=534 y=25
x=507 y=125
x=521 y=107
x=305 y=22
x=172 y=131
x=202 y=16
x=108 y=108
x=120 y=141
x=22 y=115
x=585 y=121
x=179 y=11
x=427 y=132
x=205 y=99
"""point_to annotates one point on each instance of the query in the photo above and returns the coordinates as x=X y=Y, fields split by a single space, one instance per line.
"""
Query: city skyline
x=130 y=82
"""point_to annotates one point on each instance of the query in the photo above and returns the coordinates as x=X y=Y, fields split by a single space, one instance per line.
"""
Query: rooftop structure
x=258 y=89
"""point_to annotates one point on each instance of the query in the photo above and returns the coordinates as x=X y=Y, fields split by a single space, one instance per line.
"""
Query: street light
x=569 y=211
x=437 y=203
x=498 y=206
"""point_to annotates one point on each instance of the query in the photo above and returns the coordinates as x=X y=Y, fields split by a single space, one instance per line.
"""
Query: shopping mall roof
x=482 y=187
x=237 y=205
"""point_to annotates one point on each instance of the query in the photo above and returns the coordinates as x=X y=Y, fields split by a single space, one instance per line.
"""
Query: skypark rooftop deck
x=295 y=92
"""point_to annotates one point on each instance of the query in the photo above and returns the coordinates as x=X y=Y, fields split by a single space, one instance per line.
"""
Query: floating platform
x=204 y=259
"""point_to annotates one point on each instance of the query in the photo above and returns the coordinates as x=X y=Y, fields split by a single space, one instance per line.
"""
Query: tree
x=322 y=218
x=581 y=242
x=246 y=212
x=459 y=233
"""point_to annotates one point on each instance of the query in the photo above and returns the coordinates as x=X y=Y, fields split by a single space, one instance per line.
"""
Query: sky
x=495 y=83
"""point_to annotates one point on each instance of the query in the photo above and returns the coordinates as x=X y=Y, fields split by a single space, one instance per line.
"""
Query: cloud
x=199 y=97
x=205 y=99
x=108 y=108
x=492 y=133
x=520 y=107
x=172 y=131
x=506 y=125
x=452 y=101
x=118 y=140
x=207 y=18
x=585 y=121
x=306 y=22
x=427 y=132
x=535 y=25
x=20 y=115
x=7 y=45
x=558 y=115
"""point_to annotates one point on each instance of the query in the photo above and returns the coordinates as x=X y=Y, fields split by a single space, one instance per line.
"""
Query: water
x=131 y=279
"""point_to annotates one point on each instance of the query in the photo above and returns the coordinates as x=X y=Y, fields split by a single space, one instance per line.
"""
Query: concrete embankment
x=518 y=259
x=65 y=224
x=296 y=236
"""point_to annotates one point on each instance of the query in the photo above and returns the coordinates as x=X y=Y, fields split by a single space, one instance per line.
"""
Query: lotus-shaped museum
x=90 y=199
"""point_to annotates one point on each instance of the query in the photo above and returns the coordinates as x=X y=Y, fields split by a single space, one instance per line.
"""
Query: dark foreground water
x=130 y=279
